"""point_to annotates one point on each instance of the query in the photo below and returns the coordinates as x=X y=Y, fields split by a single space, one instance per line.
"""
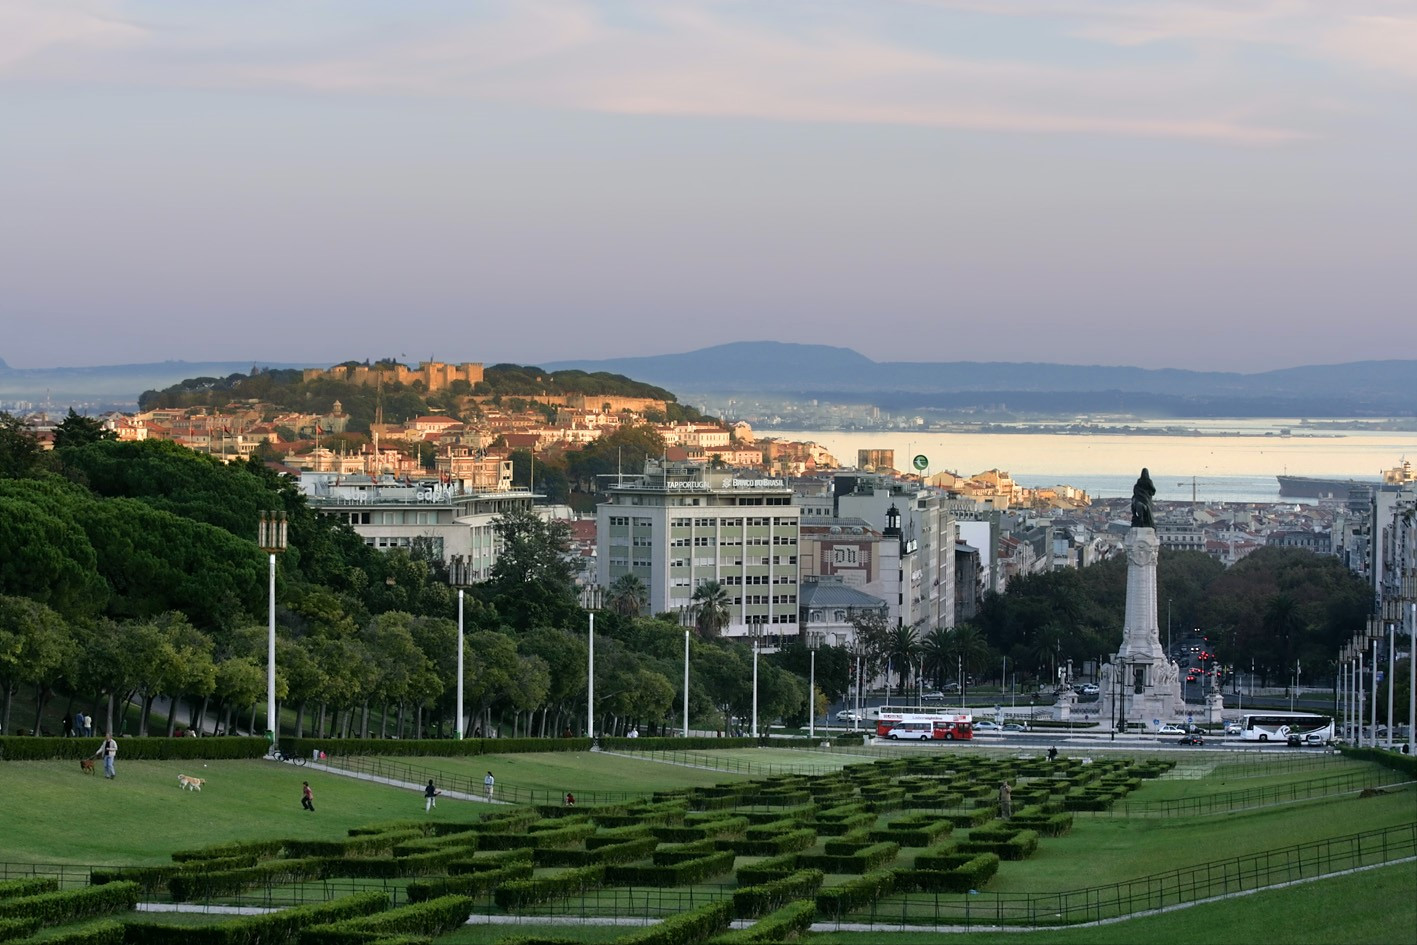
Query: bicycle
x=297 y=760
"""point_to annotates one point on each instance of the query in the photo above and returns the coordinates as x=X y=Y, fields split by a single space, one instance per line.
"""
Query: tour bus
x=942 y=726
x=1279 y=726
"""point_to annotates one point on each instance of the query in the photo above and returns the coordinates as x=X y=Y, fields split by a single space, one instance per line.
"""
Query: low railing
x=1271 y=796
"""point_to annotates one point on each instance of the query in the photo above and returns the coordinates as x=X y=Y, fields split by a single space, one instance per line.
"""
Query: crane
x=1192 y=484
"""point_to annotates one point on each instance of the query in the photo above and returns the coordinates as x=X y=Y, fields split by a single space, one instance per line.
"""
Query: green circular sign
x=921 y=461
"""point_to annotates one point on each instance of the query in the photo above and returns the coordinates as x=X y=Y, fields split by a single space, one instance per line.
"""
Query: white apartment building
x=681 y=523
x=389 y=515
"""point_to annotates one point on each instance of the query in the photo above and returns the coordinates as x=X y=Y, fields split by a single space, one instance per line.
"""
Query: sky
x=1200 y=184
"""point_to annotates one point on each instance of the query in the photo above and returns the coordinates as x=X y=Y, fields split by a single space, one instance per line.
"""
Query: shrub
x=766 y=871
x=749 y=902
x=837 y=901
x=71 y=905
x=273 y=928
x=185 y=887
x=467 y=884
x=677 y=874
x=152 y=748
x=696 y=925
x=106 y=932
x=770 y=846
x=429 y=918
x=529 y=892
x=861 y=861
x=29 y=886
x=785 y=924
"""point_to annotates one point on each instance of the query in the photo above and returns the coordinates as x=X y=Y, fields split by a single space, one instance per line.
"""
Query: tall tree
x=533 y=580
x=78 y=430
x=627 y=595
x=19 y=447
x=710 y=608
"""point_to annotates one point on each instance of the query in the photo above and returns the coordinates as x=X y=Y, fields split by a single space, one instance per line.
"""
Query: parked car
x=1014 y=727
x=848 y=715
x=1192 y=740
x=987 y=726
x=1171 y=730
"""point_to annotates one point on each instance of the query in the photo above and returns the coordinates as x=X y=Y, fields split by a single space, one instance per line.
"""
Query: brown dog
x=86 y=765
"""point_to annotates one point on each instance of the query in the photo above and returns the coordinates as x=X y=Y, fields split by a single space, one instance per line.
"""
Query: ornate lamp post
x=271 y=536
x=460 y=576
x=814 y=640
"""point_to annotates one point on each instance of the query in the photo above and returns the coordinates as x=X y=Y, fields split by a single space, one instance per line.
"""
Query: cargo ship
x=1317 y=487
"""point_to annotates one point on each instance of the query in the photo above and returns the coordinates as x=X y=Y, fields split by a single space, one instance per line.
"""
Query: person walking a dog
x=307 y=797
x=108 y=751
x=430 y=796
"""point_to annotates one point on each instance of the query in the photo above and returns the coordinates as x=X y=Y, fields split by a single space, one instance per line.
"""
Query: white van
x=924 y=731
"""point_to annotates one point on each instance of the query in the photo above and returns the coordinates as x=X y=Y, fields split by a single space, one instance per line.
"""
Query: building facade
x=681 y=523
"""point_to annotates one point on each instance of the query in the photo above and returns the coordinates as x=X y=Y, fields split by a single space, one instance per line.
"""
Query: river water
x=1226 y=461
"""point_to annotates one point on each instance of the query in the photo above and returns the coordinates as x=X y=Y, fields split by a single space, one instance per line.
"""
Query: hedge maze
x=775 y=854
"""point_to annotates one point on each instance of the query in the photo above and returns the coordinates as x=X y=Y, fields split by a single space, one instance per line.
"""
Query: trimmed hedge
x=749 y=902
x=273 y=928
x=948 y=873
x=151 y=748
x=913 y=834
x=766 y=871
x=17 y=928
x=1008 y=843
x=455 y=748
x=29 y=886
x=569 y=836
x=185 y=887
x=770 y=846
x=104 y=932
x=678 y=874
x=785 y=924
x=529 y=892
x=708 y=830
x=491 y=861
x=368 y=844
x=71 y=905
x=696 y=925
x=257 y=848
x=428 y=919
x=862 y=861
x=626 y=852
x=467 y=884
x=837 y=901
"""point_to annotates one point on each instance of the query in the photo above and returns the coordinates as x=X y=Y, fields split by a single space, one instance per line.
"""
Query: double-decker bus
x=944 y=726
x=1279 y=726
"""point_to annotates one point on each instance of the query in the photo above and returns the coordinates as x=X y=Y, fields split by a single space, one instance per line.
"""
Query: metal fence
x=1145 y=894
x=1272 y=796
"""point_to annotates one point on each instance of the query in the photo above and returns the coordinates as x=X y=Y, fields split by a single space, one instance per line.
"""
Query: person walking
x=1006 y=800
x=487 y=784
x=1052 y=752
x=108 y=751
x=307 y=797
x=68 y=725
x=430 y=796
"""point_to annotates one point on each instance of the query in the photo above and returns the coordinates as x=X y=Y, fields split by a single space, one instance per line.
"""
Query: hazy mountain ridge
x=825 y=372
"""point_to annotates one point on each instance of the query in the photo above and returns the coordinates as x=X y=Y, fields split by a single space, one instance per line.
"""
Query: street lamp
x=756 y=634
x=460 y=576
x=591 y=600
x=685 y=620
x=814 y=640
x=271 y=536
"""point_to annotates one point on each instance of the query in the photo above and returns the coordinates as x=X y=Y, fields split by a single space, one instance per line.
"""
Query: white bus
x=1279 y=726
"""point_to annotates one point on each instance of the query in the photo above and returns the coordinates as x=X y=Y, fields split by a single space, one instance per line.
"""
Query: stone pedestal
x=1140 y=684
x=1063 y=707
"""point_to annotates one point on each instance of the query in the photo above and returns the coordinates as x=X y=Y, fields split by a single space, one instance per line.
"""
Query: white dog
x=187 y=782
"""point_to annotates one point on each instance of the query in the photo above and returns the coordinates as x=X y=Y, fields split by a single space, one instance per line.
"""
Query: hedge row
x=678 y=874
x=749 y=902
x=518 y=894
x=948 y=872
x=862 y=861
x=29 y=886
x=368 y=844
x=770 y=846
x=453 y=748
x=491 y=861
x=104 y=932
x=786 y=923
x=708 y=830
x=273 y=928
x=667 y=854
x=689 y=928
x=256 y=848
x=428 y=919
x=614 y=835
x=767 y=871
x=625 y=852
x=185 y=887
x=837 y=901
x=20 y=748
x=568 y=836
x=61 y=907
x=836 y=828
x=467 y=884
x=1009 y=844
x=913 y=835
x=17 y=928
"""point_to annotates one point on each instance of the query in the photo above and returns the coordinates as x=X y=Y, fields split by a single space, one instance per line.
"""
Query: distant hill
x=790 y=371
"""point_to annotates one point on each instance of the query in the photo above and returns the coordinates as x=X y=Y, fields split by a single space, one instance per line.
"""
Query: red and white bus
x=925 y=723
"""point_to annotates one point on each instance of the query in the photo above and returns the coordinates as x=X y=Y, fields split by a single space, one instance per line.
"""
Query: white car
x=1232 y=728
x=847 y=715
x=987 y=726
x=1171 y=730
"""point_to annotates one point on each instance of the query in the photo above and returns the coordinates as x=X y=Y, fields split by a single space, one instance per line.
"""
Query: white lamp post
x=460 y=576
x=685 y=614
x=271 y=536
x=592 y=601
x=814 y=640
x=755 y=685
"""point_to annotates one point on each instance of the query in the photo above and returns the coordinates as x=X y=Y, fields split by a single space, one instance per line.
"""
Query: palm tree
x=627 y=595
x=937 y=651
x=710 y=608
x=902 y=646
